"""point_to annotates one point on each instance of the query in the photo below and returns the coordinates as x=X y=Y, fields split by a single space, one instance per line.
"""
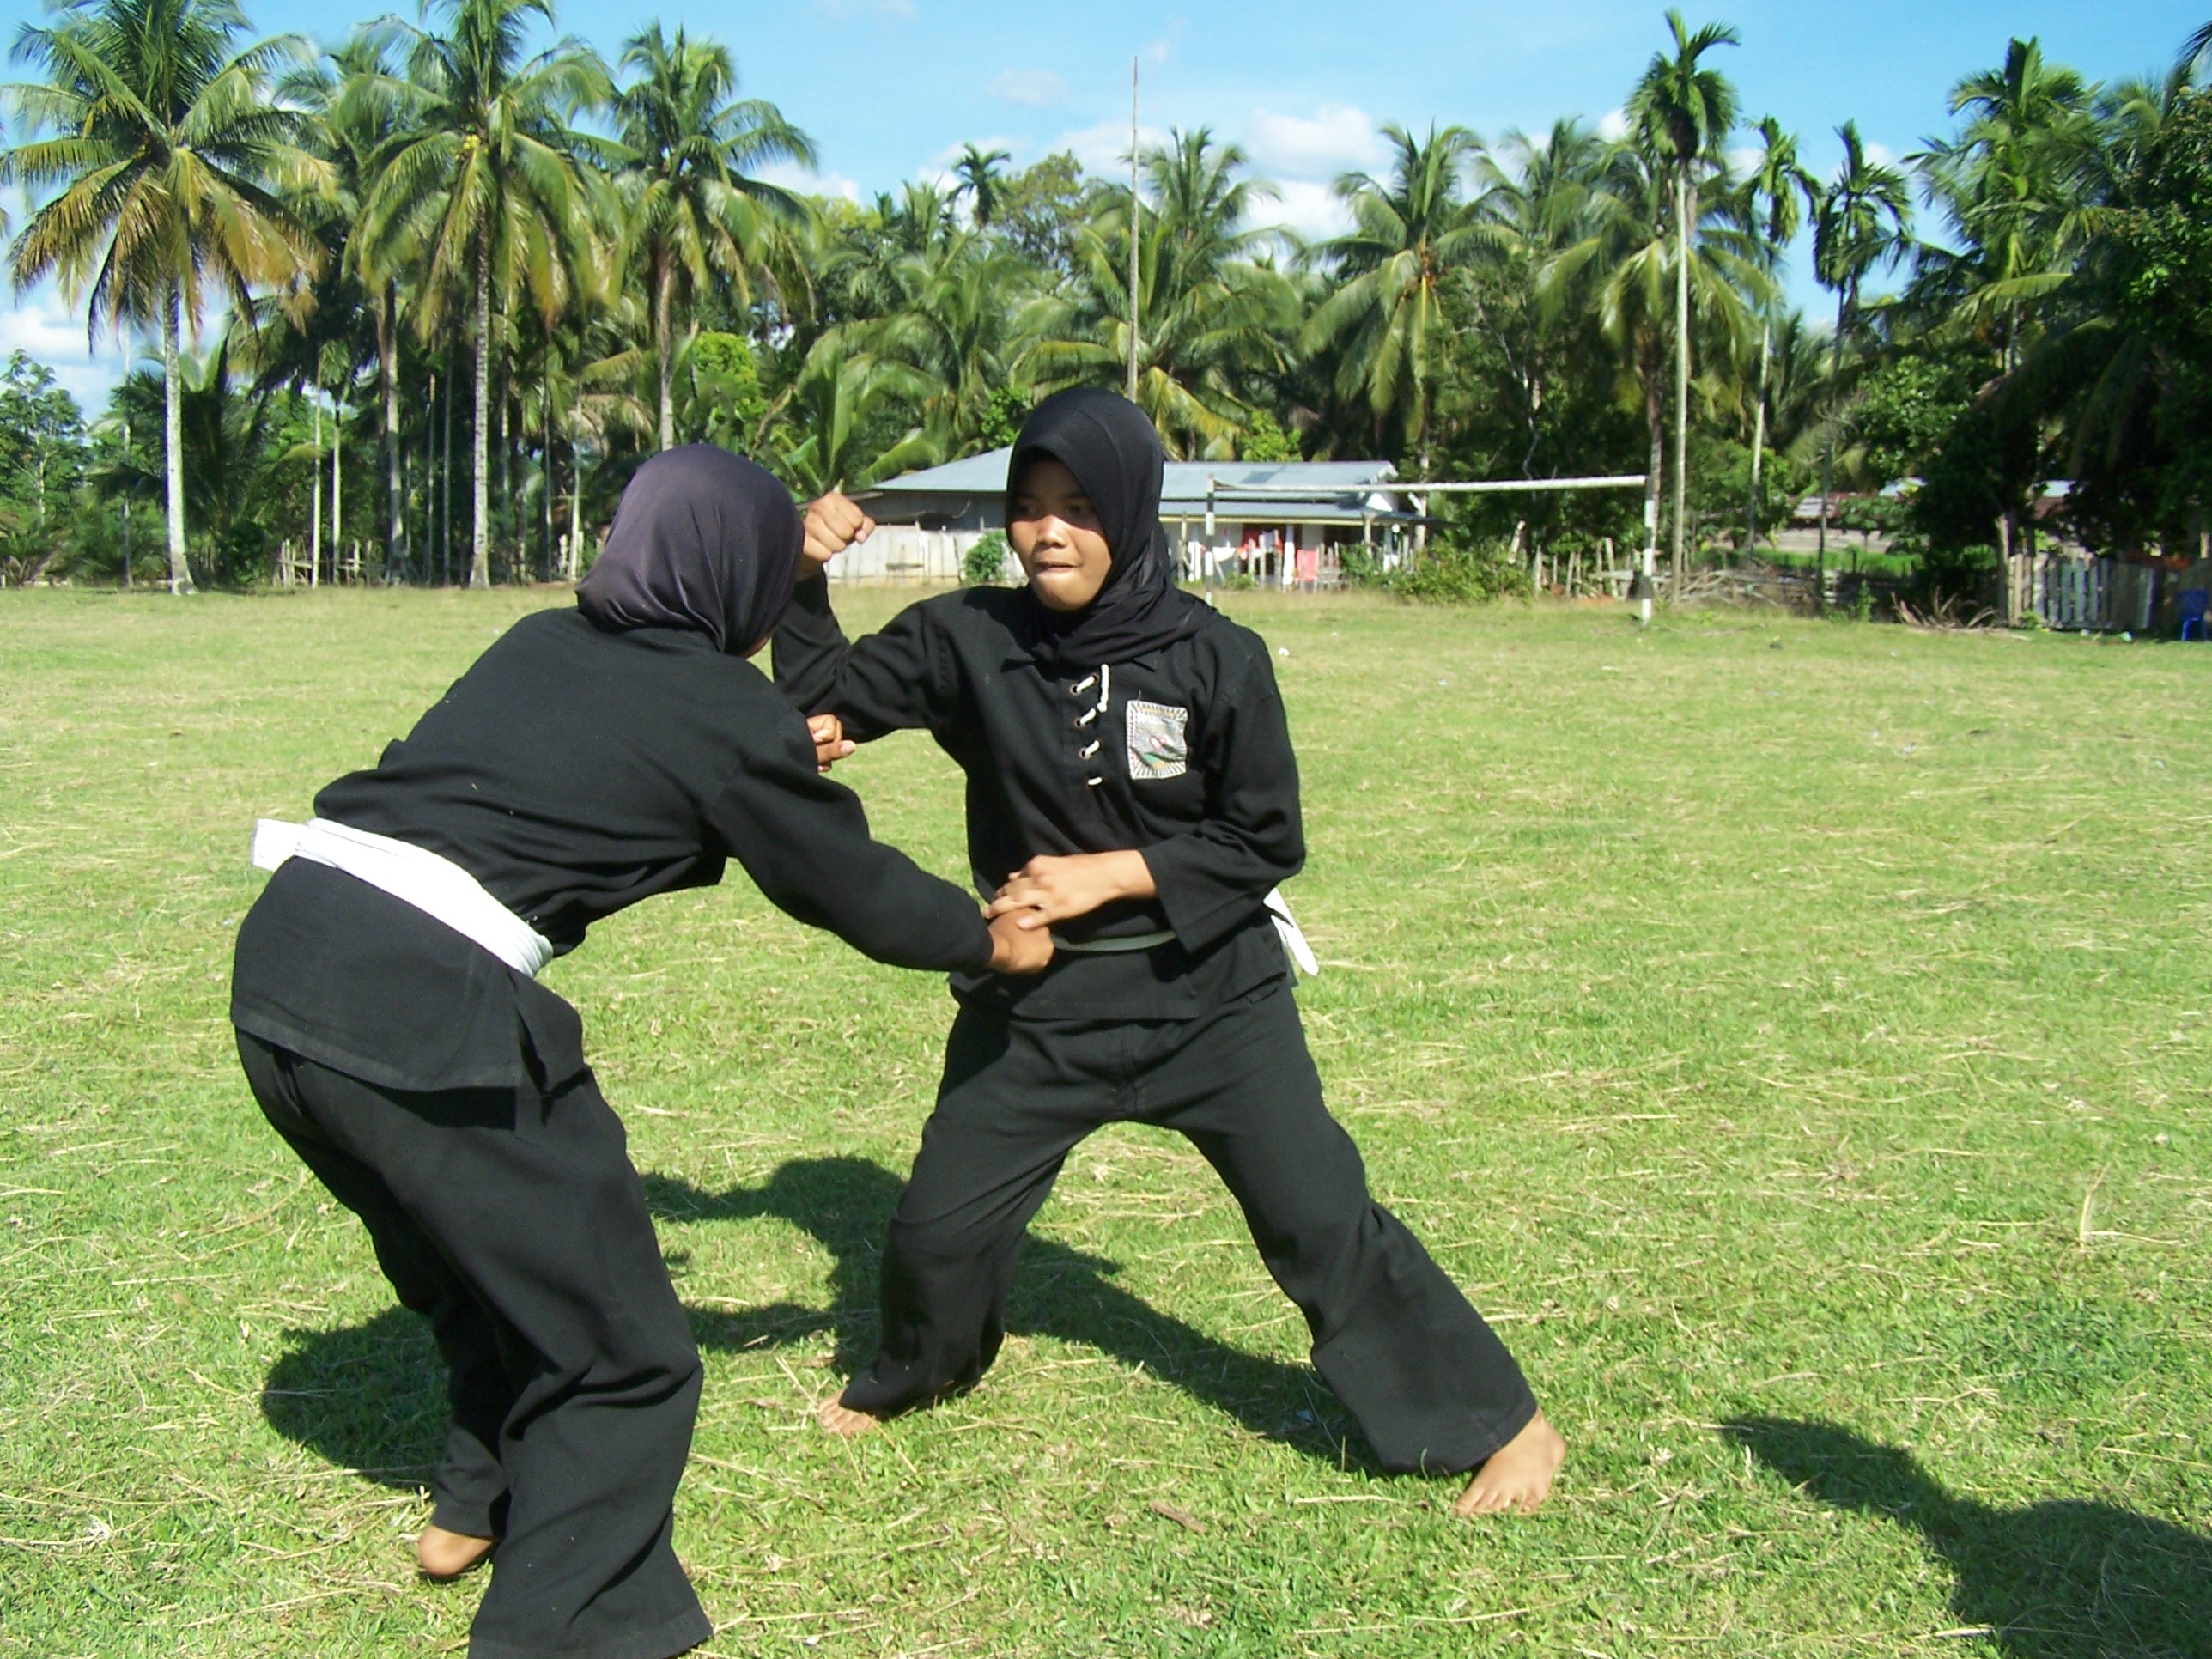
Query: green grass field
x=1795 y=1035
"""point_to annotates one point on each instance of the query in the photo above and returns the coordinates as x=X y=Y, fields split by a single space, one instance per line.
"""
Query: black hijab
x=703 y=540
x=1105 y=441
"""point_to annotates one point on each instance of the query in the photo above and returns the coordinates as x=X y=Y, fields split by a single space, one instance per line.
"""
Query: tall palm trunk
x=172 y=438
x=664 y=305
x=575 y=508
x=1654 y=425
x=1828 y=451
x=395 y=490
x=1758 y=433
x=315 y=480
x=1682 y=364
x=480 y=542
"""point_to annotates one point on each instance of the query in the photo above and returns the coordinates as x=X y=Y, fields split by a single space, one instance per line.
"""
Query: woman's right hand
x=834 y=524
x=1018 y=949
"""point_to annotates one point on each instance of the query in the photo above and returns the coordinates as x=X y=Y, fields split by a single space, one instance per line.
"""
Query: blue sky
x=890 y=89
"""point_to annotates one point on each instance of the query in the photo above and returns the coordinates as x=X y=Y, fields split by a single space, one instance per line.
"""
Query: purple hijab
x=704 y=540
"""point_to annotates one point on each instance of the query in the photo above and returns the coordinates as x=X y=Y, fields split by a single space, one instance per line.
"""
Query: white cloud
x=1340 y=138
x=1034 y=88
x=802 y=181
x=1105 y=148
x=1881 y=155
x=1312 y=209
x=38 y=326
x=1163 y=48
x=1613 y=126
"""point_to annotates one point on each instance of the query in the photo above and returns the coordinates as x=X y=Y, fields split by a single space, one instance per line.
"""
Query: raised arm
x=895 y=678
x=804 y=840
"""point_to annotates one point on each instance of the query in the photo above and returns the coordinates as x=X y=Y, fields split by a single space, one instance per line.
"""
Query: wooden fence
x=2081 y=593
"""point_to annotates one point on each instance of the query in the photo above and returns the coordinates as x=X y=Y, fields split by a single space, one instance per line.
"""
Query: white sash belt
x=436 y=886
x=1278 y=912
x=1294 y=941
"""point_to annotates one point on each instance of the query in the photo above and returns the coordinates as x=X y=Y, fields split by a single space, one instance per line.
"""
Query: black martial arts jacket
x=1188 y=761
x=572 y=772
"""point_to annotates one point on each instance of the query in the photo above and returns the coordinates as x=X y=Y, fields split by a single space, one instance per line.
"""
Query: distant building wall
x=904 y=553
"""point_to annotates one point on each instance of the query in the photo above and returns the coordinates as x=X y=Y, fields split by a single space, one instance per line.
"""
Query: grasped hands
x=1046 y=888
x=1018 y=949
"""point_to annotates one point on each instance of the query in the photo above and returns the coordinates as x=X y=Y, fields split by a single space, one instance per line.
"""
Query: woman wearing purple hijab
x=393 y=1031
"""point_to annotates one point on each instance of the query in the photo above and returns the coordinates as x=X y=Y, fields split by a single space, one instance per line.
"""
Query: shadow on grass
x=370 y=1397
x=2064 y=1579
x=846 y=1203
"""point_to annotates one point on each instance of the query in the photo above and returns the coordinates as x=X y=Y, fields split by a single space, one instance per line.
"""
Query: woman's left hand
x=1049 y=890
x=830 y=743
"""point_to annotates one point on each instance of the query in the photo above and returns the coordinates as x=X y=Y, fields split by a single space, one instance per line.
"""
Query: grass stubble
x=1794 y=1036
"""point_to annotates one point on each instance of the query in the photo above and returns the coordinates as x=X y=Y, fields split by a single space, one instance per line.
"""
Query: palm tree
x=2015 y=185
x=841 y=394
x=1209 y=322
x=1385 y=321
x=1538 y=196
x=1859 y=226
x=1776 y=189
x=687 y=149
x=954 y=323
x=1683 y=114
x=343 y=325
x=360 y=111
x=2194 y=51
x=168 y=154
x=1625 y=264
x=484 y=182
x=978 y=172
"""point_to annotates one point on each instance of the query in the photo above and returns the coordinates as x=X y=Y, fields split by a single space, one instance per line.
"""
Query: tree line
x=463 y=278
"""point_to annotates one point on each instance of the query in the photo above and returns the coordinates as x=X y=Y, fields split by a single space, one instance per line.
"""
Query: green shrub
x=985 y=564
x=1363 y=567
x=1472 y=573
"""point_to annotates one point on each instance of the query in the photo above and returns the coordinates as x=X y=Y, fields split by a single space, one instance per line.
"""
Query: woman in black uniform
x=392 y=1029
x=1131 y=782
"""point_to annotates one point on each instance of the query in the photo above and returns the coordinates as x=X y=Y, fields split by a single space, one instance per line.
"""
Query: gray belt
x=1113 y=947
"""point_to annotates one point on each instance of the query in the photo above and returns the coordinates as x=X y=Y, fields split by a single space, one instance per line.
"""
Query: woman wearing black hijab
x=1131 y=786
x=392 y=1029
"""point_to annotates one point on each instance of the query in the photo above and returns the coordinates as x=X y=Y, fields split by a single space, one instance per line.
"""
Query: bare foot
x=1518 y=1474
x=836 y=1418
x=443 y=1554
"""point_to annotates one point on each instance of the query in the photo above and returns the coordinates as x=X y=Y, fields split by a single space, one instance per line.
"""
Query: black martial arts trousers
x=514 y=1222
x=1431 y=1386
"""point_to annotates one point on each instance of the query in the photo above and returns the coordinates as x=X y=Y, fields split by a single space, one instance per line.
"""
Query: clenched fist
x=834 y=524
x=830 y=743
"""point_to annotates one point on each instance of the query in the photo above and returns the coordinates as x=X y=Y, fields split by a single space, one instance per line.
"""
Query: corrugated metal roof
x=1185 y=485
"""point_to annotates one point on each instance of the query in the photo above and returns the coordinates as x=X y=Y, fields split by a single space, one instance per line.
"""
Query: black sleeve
x=892 y=680
x=804 y=840
x=1213 y=877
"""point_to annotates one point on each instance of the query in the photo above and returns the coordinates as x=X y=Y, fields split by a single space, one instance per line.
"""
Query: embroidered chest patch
x=1156 y=744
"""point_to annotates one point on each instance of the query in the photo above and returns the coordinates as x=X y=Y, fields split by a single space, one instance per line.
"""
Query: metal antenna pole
x=1136 y=222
